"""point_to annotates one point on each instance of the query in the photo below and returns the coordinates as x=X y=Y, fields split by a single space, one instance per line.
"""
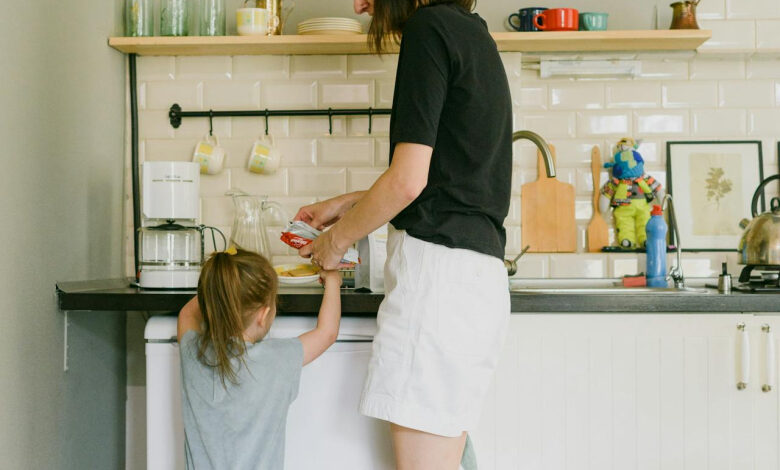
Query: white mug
x=264 y=157
x=255 y=21
x=209 y=155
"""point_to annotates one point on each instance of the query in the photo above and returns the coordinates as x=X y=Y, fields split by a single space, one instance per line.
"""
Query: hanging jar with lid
x=139 y=18
x=212 y=18
x=174 y=18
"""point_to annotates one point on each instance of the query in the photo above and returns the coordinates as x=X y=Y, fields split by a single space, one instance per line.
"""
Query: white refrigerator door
x=324 y=429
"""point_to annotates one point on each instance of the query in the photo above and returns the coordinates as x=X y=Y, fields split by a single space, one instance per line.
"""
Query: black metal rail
x=134 y=159
x=176 y=114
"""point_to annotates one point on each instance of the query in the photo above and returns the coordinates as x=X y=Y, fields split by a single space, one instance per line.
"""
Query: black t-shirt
x=452 y=94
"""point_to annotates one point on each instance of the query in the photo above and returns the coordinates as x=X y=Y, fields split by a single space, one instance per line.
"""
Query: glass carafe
x=253 y=216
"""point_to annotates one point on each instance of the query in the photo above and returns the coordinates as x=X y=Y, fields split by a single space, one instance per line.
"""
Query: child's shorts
x=441 y=328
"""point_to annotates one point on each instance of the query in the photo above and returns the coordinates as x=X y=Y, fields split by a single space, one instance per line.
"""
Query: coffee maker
x=170 y=239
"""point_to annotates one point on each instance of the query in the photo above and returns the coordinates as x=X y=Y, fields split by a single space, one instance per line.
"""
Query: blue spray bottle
x=656 y=248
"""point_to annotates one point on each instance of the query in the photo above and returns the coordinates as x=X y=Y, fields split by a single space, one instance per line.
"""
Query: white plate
x=327 y=26
x=294 y=281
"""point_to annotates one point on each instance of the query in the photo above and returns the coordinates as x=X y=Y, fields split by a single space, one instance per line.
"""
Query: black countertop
x=119 y=295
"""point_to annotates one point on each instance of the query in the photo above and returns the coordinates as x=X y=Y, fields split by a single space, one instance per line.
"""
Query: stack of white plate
x=330 y=26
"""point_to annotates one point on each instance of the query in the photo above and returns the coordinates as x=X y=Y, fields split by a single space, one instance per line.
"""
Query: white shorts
x=441 y=328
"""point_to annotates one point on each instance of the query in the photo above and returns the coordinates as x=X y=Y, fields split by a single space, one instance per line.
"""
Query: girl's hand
x=324 y=252
x=322 y=214
x=330 y=277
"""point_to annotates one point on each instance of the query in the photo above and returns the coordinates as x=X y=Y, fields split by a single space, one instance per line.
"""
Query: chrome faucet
x=676 y=273
x=541 y=144
x=549 y=164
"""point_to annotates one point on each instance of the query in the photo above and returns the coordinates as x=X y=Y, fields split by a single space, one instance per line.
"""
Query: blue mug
x=525 y=19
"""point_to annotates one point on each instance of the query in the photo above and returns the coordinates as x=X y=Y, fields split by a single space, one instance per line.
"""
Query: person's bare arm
x=190 y=318
x=326 y=213
x=318 y=340
x=398 y=187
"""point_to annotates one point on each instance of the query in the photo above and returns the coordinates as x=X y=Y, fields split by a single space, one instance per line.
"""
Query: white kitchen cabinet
x=630 y=391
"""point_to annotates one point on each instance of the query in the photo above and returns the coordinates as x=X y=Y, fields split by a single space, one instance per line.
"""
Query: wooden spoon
x=598 y=236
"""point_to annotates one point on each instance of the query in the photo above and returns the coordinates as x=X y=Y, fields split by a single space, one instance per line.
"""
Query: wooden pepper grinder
x=684 y=15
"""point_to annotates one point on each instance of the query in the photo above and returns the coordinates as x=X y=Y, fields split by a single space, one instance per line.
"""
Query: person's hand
x=330 y=277
x=322 y=214
x=324 y=252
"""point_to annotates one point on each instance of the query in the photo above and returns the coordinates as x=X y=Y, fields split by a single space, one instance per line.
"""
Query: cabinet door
x=764 y=389
x=625 y=391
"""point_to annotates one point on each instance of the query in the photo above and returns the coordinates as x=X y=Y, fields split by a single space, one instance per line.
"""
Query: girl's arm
x=190 y=318
x=398 y=187
x=316 y=341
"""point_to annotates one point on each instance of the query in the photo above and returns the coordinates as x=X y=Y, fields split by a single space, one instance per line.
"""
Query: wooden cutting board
x=598 y=232
x=547 y=213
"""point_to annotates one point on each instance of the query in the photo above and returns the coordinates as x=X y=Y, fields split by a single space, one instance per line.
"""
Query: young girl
x=237 y=386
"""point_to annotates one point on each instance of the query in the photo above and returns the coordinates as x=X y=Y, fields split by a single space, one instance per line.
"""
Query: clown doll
x=629 y=192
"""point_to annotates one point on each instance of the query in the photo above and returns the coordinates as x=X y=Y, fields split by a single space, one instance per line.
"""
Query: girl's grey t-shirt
x=239 y=426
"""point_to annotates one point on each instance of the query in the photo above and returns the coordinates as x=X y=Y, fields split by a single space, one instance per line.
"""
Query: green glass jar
x=139 y=18
x=212 y=18
x=174 y=18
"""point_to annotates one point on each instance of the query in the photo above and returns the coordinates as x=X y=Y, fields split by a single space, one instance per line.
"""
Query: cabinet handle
x=769 y=350
x=744 y=346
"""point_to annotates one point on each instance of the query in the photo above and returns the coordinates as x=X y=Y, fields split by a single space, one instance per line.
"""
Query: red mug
x=558 y=19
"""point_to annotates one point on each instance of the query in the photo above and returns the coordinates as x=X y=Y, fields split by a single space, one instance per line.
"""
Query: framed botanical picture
x=712 y=186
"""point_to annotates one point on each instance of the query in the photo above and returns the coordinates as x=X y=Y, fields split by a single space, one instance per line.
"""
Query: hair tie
x=231 y=251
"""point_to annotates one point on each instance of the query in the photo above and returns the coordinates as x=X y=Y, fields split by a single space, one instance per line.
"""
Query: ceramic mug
x=209 y=155
x=525 y=19
x=255 y=21
x=264 y=157
x=557 y=19
x=592 y=21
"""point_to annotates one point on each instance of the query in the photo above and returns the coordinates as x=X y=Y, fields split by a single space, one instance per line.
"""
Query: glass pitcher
x=253 y=215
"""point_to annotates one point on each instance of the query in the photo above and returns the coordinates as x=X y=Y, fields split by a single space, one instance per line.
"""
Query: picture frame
x=728 y=173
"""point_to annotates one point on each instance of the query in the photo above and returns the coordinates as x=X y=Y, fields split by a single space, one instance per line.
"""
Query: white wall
x=61 y=128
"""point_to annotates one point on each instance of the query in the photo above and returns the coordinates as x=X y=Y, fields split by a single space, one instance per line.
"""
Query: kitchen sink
x=593 y=287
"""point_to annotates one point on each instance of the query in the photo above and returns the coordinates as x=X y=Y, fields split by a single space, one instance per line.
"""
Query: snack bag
x=299 y=234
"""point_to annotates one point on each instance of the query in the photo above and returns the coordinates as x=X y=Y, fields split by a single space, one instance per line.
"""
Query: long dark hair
x=231 y=288
x=390 y=16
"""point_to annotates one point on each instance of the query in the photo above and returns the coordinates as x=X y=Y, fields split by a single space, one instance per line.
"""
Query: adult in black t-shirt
x=448 y=188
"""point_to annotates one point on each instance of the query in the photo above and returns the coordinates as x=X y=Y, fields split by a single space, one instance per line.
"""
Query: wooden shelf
x=559 y=41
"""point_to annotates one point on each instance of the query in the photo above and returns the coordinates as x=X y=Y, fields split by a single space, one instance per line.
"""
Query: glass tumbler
x=174 y=19
x=139 y=18
x=212 y=18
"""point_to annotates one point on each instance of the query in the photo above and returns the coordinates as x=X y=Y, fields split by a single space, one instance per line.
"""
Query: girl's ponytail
x=232 y=287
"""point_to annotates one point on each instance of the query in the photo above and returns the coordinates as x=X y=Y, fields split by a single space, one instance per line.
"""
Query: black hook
x=266 y=121
x=211 y=122
x=175 y=116
x=330 y=121
x=370 y=120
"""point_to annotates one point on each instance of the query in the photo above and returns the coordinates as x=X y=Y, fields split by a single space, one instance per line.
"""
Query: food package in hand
x=299 y=234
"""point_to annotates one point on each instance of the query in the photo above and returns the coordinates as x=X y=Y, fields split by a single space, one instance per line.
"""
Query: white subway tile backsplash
x=345 y=152
x=384 y=93
x=532 y=265
x=666 y=123
x=166 y=150
x=319 y=66
x=514 y=240
x=768 y=33
x=583 y=209
x=598 y=124
x=157 y=125
x=156 y=68
x=686 y=94
x=297 y=152
x=653 y=153
x=712 y=10
x=762 y=67
x=357 y=94
x=584 y=180
x=361 y=179
x=236 y=151
x=623 y=265
x=231 y=94
x=216 y=211
x=291 y=205
x=253 y=127
x=185 y=93
x=203 y=67
x=717 y=69
x=382 y=155
x=215 y=185
x=278 y=247
x=569 y=153
x=746 y=94
x=751 y=9
x=210 y=245
x=513 y=64
x=664 y=70
x=372 y=66
x=550 y=125
x=197 y=127
x=764 y=122
x=639 y=94
x=253 y=183
x=319 y=182
x=513 y=216
x=317 y=126
x=731 y=35
x=533 y=97
x=576 y=95
x=288 y=94
x=578 y=266
x=256 y=67
x=719 y=123
x=358 y=126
